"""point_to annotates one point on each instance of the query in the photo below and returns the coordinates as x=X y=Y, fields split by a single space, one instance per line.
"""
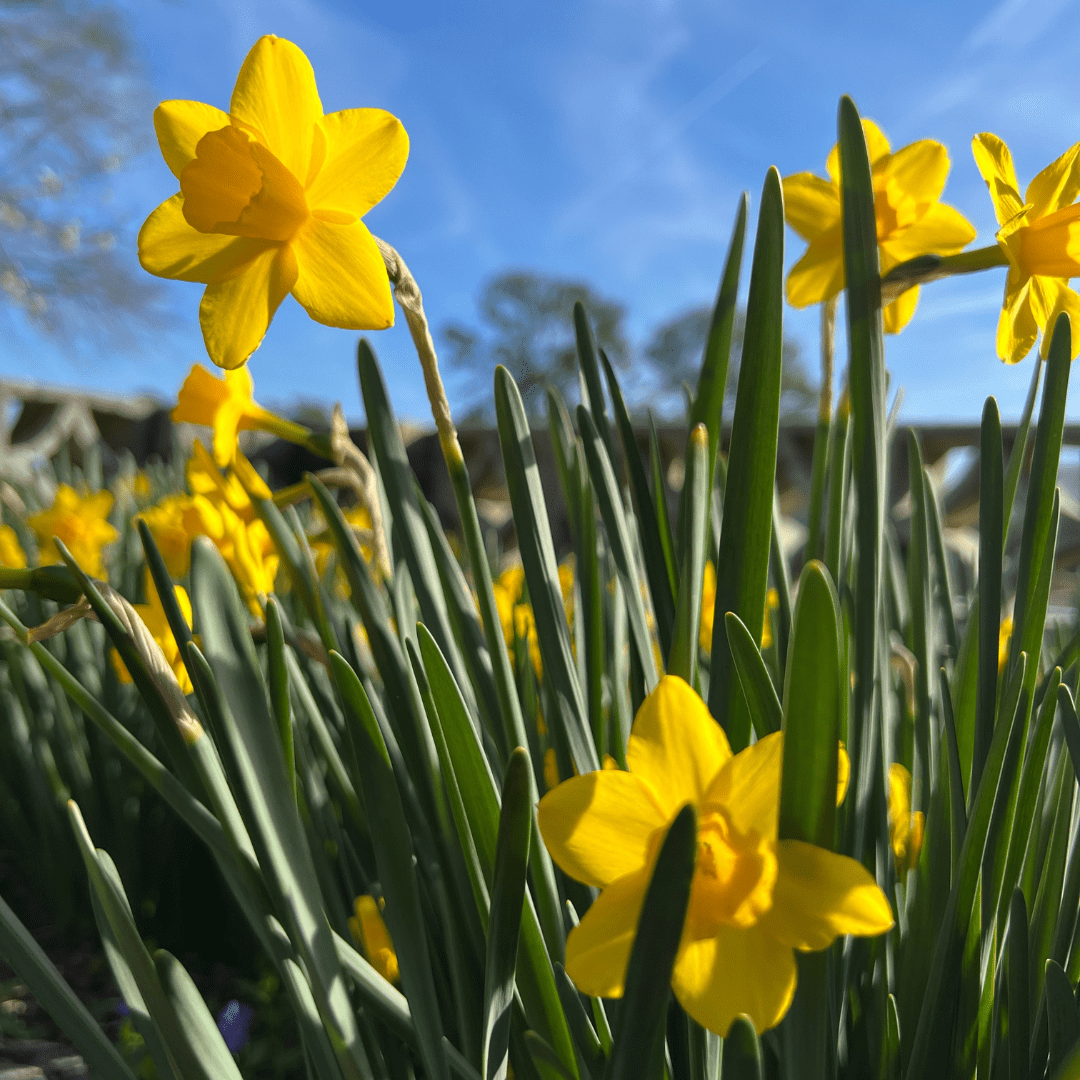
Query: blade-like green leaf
x=507 y=896
x=990 y=547
x=1020 y=444
x=1019 y=1009
x=196 y=1023
x=754 y=677
x=278 y=672
x=1062 y=1015
x=541 y=572
x=394 y=855
x=661 y=585
x=742 y=1058
x=742 y=568
x=618 y=534
x=683 y=658
x=643 y=1013
x=586 y=1040
x=265 y=794
x=29 y=962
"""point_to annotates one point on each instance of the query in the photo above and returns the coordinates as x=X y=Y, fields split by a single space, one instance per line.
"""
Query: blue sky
x=608 y=141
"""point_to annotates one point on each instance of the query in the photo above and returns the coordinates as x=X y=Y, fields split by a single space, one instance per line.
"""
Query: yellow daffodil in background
x=754 y=898
x=11 y=553
x=174 y=523
x=551 y=769
x=370 y=933
x=270 y=201
x=228 y=406
x=1040 y=235
x=516 y=617
x=910 y=220
x=905 y=827
x=153 y=614
x=80 y=521
x=1004 y=634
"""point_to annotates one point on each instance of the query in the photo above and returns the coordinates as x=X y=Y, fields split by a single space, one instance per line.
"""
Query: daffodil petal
x=819 y=274
x=748 y=786
x=843 y=775
x=877 y=147
x=897 y=315
x=366 y=151
x=226 y=425
x=1017 y=329
x=940 y=230
x=597 y=826
x=820 y=895
x=598 y=948
x=169 y=247
x=235 y=314
x=342 y=278
x=675 y=745
x=1067 y=301
x=275 y=93
x=738 y=971
x=811 y=204
x=1056 y=186
x=920 y=170
x=180 y=125
x=996 y=166
x=200 y=397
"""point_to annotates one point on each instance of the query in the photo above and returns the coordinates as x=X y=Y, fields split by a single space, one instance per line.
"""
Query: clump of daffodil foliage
x=679 y=802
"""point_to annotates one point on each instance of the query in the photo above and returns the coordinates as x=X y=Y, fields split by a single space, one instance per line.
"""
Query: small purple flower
x=234 y=1022
x=122 y=1008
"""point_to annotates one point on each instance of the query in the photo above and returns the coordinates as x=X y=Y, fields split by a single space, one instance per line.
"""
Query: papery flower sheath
x=754 y=899
x=270 y=201
x=1040 y=235
x=910 y=218
x=153 y=615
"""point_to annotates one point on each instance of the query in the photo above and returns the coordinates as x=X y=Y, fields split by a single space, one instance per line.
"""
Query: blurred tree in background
x=72 y=112
x=675 y=348
x=528 y=326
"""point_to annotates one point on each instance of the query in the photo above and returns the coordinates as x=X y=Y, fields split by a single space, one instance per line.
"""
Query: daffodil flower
x=228 y=406
x=1040 y=235
x=270 y=201
x=153 y=615
x=11 y=553
x=369 y=932
x=81 y=522
x=905 y=828
x=910 y=219
x=754 y=898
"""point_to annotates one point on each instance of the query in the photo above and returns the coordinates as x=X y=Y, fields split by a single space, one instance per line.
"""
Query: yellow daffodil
x=228 y=406
x=80 y=521
x=270 y=201
x=370 y=933
x=905 y=828
x=772 y=603
x=1004 y=634
x=153 y=614
x=754 y=898
x=11 y=553
x=1040 y=235
x=910 y=220
x=174 y=523
x=551 y=769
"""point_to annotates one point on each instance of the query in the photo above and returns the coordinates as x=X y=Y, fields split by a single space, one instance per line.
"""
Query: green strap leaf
x=754 y=677
x=394 y=855
x=741 y=1058
x=643 y=1013
x=683 y=658
x=1062 y=1015
x=50 y=988
x=507 y=896
x=1019 y=1008
x=742 y=568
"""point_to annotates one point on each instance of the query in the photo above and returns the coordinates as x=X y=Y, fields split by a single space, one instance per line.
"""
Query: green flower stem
x=927 y=268
x=407 y=293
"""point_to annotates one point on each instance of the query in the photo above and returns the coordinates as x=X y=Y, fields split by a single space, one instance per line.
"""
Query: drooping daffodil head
x=369 y=932
x=911 y=220
x=755 y=898
x=81 y=522
x=271 y=198
x=228 y=406
x=906 y=828
x=1040 y=235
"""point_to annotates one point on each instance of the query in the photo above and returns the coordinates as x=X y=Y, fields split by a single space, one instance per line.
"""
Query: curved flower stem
x=926 y=268
x=407 y=294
